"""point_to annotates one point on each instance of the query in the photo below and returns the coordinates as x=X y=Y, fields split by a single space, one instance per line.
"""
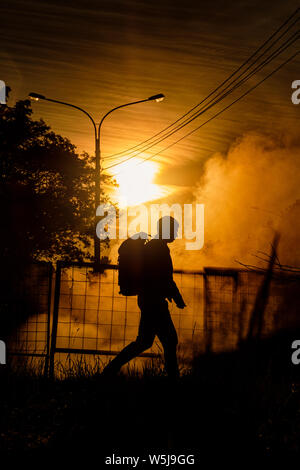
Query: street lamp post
x=37 y=97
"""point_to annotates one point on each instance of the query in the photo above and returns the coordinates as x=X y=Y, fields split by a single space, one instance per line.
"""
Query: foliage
x=46 y=191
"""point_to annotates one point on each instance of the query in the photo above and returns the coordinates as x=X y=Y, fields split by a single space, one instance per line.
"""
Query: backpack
x=131 y=264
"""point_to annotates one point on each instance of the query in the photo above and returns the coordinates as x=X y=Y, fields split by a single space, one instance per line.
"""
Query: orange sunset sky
x=100 y=54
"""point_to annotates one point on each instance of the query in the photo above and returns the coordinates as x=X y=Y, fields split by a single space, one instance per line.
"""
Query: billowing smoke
x=248 y=194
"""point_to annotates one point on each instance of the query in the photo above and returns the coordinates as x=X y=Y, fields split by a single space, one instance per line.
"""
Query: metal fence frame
x=46 y=354
x=53 y=348
x=233 y=273
x=209 y=327
x=228 y=272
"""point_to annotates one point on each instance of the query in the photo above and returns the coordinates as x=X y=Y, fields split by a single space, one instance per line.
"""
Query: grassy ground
x=245 y=403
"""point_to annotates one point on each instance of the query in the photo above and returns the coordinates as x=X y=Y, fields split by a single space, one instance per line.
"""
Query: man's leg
x=167 y=335
x=143 y=341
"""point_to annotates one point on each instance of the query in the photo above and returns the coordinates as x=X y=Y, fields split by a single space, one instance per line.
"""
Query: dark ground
x=239 y=405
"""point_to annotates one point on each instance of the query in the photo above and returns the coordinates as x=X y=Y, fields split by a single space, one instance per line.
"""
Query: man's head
x=167 y=228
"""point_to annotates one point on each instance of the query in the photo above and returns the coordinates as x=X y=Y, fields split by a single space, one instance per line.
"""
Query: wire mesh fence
x=231 y=298
x=25 y=310
x=90 y=317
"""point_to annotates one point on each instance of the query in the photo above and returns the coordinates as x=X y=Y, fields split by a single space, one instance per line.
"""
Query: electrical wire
x=271 y=57
x=130 y=150
x=224 y=109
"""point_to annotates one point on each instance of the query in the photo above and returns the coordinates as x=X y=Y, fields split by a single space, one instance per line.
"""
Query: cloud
x=248 y=194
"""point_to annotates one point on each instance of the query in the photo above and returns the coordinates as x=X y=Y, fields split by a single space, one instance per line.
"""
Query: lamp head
x=36 y=96
x=157 y=98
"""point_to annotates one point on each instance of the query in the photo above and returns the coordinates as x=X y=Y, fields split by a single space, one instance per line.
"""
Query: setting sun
x=136 y=183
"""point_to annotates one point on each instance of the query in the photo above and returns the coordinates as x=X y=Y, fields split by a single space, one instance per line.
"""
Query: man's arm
x=176 y=296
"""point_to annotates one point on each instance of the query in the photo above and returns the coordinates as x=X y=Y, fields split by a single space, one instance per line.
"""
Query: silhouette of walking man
x=158 y=285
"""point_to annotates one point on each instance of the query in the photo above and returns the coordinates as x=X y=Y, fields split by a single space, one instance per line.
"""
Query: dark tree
x=46 y=191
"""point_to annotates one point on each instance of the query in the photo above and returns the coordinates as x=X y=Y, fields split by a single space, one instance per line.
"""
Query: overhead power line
x=224 y=109
x=139 y=146
x=213 y=102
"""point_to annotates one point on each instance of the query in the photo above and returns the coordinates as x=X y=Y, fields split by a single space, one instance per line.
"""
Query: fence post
x=207 y=326
x=55 y=318
x=46 y=370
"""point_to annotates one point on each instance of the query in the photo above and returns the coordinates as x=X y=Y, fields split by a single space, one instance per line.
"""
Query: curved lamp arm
x=157 y=98
x=37 y=97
